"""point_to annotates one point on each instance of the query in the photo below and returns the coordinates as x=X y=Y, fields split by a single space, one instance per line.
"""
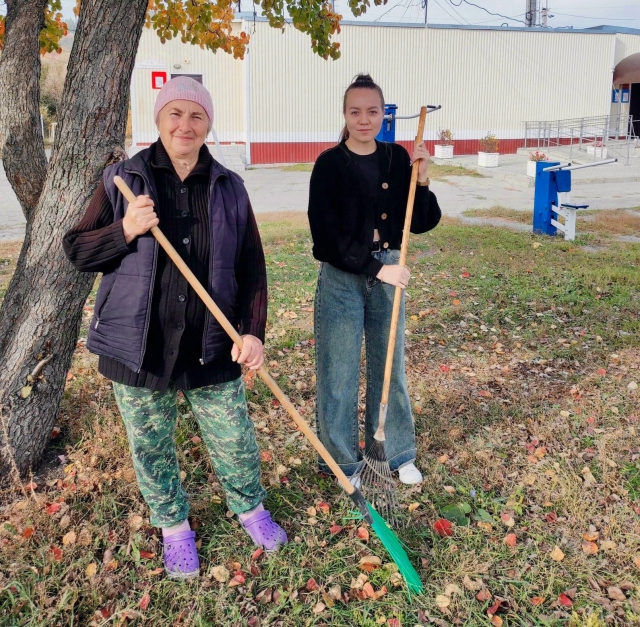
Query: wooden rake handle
x=397 y=299
x=234 y=335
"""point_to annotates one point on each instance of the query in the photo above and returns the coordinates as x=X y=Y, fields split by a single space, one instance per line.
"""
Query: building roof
x=593 y=30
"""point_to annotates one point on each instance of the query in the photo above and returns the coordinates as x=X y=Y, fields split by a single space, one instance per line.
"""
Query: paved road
x=272 y=189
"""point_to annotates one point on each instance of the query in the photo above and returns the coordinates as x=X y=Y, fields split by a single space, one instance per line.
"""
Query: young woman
x=357 y=205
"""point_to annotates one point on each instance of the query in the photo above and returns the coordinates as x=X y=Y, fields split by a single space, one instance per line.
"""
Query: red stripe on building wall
x=307 y=152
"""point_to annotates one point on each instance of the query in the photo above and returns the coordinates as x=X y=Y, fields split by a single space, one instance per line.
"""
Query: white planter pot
x=444 y=152
x=531 y=168
x=488 y=159
x=600 y=152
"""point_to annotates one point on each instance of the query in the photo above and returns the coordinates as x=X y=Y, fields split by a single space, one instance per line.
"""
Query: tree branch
x=22 y=144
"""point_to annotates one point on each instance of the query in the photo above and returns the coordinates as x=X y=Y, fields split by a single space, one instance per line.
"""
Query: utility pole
x=531 y=15
x=545 y=14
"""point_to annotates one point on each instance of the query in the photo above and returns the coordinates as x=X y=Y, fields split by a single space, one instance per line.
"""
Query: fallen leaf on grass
x=237 y=580
x=395 y=580
x=607 y=545
x=368 y=590
x=112 y=565
x=144 y=601
x=540 y=452
x=135 y=522
x=590 y=548
x=311 y=585
x=496 y=621
x=319 y=607
x=323 y=507
x=474 y=586
x=69 y=538
x=147 y=555
x=329 y=602
x=537 y=600
x=256 y=554
x=363 y=534
x=510 y=539
x=91 y=570
x=592 y=536
x=601 y=372
x=357 y=584
x=564 y=600
x=616 y=594
x=483 y=595
x=220 y=573
x=335 y=529
x=443 y=527
x=53 y=508
x=370 y=562
x=413 y=507
x=442 y=601
x=56 y=552
x=452 y=589
x=27 y=532
x=265 y=456
x=557 y=555
x=84 y=537
x=507 y=519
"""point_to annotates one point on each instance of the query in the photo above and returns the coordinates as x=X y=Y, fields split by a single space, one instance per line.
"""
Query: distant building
x=283 y=104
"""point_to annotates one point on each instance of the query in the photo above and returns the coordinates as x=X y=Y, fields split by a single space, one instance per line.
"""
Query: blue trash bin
x=388 y=131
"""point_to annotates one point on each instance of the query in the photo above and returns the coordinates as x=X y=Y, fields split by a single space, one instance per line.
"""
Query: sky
x=576 y=13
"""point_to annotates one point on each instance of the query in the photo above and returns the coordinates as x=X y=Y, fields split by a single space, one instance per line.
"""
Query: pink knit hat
x=184 y=88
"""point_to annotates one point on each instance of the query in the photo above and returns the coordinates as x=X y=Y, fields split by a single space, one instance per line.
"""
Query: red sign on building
x=158 y=79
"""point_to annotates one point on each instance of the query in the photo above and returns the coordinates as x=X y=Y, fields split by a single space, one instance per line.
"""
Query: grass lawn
x=523 y=358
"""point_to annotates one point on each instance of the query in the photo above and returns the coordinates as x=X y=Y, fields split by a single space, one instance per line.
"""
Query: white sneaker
x=409 y=474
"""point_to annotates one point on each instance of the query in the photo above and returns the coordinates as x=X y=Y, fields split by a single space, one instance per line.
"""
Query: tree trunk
x=41 y=314
x=23 y=146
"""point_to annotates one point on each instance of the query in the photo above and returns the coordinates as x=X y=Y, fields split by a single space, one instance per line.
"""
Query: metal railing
x=602 y=136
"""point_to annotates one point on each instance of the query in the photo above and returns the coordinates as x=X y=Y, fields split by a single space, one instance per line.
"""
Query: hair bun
x=363 y=79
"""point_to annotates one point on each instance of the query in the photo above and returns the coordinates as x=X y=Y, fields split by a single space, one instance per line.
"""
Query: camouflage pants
x=221 y=411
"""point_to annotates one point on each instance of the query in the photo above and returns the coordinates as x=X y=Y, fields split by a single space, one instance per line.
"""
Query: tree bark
x=22 y=147
x=41 y=314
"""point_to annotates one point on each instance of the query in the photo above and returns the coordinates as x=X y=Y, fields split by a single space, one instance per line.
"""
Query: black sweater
x=342 y=219
x=174 y=342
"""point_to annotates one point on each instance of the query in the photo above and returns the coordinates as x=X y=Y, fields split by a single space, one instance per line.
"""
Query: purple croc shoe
x=264 y=531
x=181 y=556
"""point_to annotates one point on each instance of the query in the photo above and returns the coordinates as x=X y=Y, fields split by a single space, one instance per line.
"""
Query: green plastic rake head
x=394 y=547
x=390 y=541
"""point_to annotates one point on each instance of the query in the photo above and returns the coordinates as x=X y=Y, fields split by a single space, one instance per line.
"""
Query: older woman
x=153 y=334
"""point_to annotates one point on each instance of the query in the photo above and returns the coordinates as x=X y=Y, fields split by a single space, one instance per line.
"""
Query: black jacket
x=341 y=215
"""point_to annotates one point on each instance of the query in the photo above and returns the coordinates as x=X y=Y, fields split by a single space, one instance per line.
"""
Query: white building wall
x=626 y=45
x=485 y=80
x=222 y=75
